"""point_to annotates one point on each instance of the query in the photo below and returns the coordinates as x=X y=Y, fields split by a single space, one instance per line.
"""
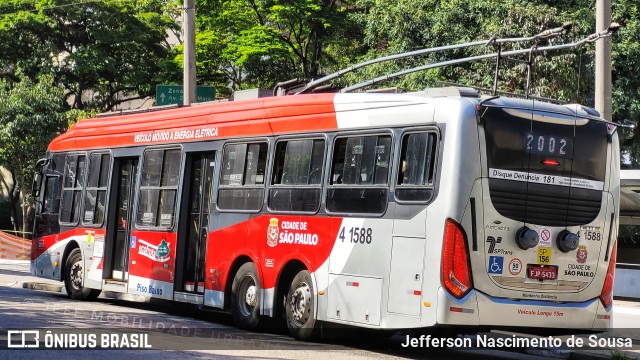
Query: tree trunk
x=24 y=204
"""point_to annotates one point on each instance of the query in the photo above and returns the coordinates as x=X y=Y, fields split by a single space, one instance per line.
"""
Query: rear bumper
x=480 y=309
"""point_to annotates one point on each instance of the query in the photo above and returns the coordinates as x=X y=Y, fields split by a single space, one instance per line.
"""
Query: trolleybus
x=377 y=210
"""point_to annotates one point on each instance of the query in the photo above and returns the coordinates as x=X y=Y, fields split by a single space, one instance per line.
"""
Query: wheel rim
x=300 y=304
x=248 y=296
x=75 y=275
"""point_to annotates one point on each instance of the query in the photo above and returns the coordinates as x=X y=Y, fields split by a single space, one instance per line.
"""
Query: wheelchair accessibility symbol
x=495 y=264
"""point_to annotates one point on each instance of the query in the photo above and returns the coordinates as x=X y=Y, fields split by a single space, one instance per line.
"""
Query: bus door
x=194 y=221
x=414 y=189
x=120 y=219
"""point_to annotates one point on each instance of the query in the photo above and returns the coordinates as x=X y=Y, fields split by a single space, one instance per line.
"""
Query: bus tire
x=245 y=297
x=73 y=278
x=299 y=307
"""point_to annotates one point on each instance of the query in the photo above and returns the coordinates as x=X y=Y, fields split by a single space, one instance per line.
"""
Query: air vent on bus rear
x=543 y=204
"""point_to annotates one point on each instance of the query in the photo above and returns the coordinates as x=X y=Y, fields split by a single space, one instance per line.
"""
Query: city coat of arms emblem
x=272 y=232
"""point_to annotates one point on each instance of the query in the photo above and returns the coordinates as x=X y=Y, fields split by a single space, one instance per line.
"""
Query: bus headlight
x=567 y=241
x=526 y=238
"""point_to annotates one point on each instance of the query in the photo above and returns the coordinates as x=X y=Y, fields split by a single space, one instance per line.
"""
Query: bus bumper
x=480 y=309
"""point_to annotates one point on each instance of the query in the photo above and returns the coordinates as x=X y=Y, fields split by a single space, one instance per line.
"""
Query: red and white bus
x=385 y=211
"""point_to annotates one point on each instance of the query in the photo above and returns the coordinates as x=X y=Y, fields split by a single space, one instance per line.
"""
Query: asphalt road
x=181 y=331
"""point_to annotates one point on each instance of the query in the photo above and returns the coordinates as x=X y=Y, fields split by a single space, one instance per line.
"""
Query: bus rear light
x=455 y=272
x=550 y=162
x=607 y=290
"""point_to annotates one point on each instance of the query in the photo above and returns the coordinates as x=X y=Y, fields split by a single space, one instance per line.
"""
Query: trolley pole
x=603 y=85
x=189 y=34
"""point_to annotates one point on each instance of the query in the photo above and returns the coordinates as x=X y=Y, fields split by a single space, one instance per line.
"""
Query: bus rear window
x=545 y=168
x=549 y=144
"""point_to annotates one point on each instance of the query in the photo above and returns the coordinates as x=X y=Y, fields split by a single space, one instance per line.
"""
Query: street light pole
x=189 y=34
x=603 y=86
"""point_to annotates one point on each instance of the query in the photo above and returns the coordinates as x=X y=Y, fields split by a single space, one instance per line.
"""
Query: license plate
x=542 y=272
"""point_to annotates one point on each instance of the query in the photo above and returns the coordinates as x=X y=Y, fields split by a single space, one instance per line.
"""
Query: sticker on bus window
x=544 y=255
x=147 y=218
x=356 y=150
x=235 y=179
x=88 y=216
x=165 y=220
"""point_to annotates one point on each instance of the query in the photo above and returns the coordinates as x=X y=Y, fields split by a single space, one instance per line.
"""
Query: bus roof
x=238 y=118
x=255 y=117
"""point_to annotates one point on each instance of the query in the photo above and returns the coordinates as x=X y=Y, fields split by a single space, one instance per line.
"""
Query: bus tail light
x=456 y=271
x=607 y=290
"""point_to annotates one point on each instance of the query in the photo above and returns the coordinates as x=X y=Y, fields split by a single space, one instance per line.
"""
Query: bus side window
x=96 y=194
x=297 y=176
x=416 y=167
x=158 y=188
x=51 y=198
x=242 y=176
x=359 y=175
x=73 y=184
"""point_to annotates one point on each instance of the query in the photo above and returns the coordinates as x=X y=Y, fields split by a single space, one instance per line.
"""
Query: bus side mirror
x=35 y=186
x=37 y=177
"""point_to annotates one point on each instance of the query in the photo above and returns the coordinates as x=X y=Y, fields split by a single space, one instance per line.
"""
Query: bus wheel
x=245 y=297
x=299 y=306
x=73 y=278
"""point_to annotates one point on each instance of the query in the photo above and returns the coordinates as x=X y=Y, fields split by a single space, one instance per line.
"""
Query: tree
x=405 y=25
x=103 y=52
x=249 y=43
x=32 y=113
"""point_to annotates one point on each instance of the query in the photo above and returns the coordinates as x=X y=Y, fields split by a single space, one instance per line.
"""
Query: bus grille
x=547 y=205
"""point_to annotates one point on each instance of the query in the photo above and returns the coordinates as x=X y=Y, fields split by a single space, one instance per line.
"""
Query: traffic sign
x=173 y=94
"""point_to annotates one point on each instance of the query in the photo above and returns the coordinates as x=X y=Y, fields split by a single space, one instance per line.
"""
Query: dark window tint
x=553 y=150
x=74 y=173
x=416 y=167
x=297 y=176
x=359 y=174
x=51 y=198
x=242 y=176
x=158 y=188
x=96 y=195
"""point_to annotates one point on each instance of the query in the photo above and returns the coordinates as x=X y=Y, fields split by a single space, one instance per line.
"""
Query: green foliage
x=32 y=114
x=250 y=43
x=101 y=52
x=626 y=78
x=405 y=25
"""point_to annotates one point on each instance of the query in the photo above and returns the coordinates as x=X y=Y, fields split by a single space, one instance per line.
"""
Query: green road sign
x=172 y=94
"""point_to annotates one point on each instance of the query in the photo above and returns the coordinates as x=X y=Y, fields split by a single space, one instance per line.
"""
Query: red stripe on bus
x=261 y=117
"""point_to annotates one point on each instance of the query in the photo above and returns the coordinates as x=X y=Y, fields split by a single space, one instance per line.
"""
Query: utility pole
x=603 y=61
x=189 y=34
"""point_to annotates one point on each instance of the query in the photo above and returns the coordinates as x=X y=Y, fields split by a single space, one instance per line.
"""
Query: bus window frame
x=45 y=193
x=398 y=171
x=267 y=175
x=107 y=188
x=323 y=177
x=388 y=186
x=135 y=200
x=62 y=189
